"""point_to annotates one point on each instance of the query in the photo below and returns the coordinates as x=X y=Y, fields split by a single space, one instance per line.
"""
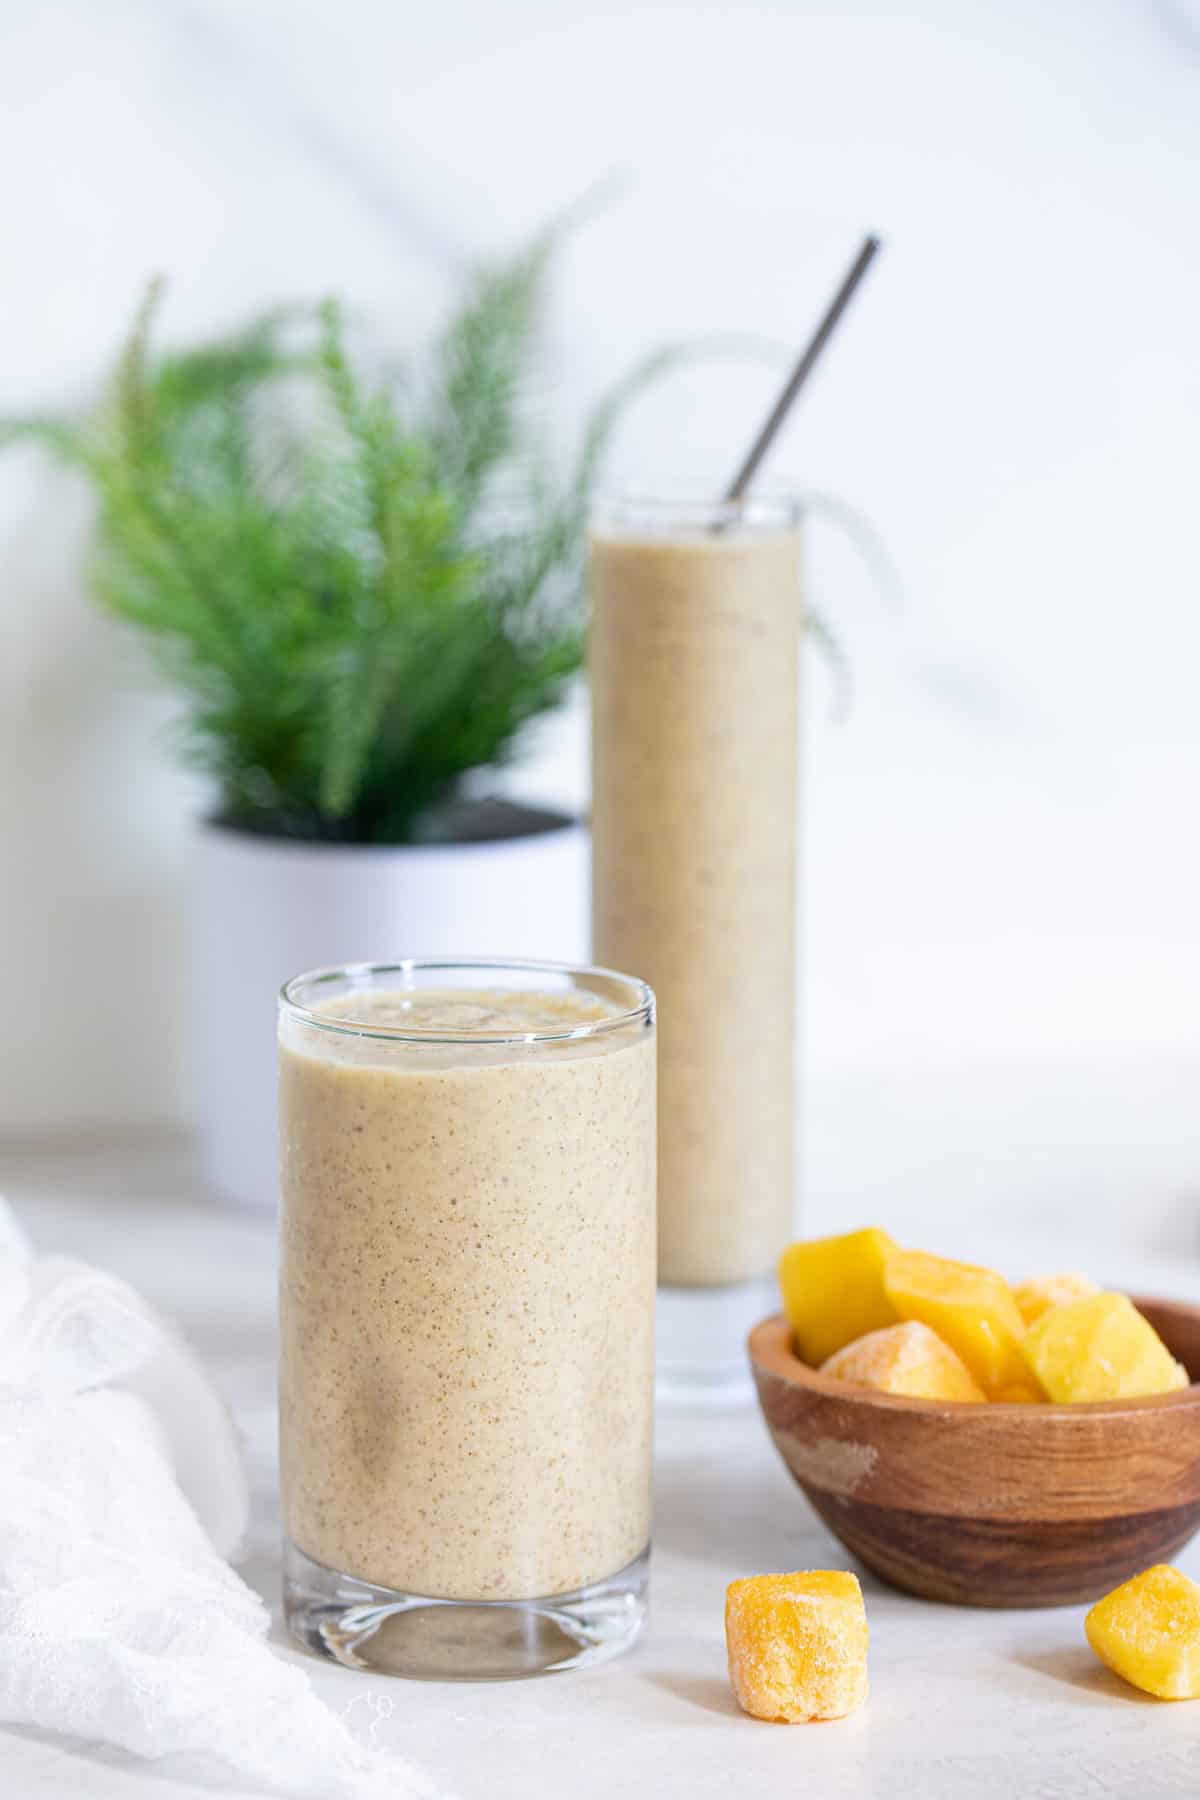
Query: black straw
x=803 y=369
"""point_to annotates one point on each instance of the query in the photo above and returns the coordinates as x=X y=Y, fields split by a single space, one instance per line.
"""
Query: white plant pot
x=264 y=909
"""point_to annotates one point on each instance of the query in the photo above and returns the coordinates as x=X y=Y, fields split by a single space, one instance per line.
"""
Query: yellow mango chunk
x=1038 y=1295
x=1100 y=1348
x=797 y=1644
x=833 y=1290
x=905 y=1359
x=971 y=1309
x=1148 y=1632
x=1019 y=1393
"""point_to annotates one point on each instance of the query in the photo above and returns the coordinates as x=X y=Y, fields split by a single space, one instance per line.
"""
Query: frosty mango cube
x=797 y=1644
x=1100 y=1348
x=833 y=1290
x=1148 y=1632
x=905 y=1359
x=971 y=1309
x=1038 y=1295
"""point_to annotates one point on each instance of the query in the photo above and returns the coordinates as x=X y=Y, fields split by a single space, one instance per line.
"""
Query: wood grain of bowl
x=992 y=1505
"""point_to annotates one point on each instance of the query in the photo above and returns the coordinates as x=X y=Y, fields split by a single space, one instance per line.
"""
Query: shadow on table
x=738 y=1517
x=66 y=1763
x=1076 y=1667
x=707 y=1692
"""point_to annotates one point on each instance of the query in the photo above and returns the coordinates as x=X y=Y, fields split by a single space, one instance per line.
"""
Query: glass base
x=701 y=1334
x=387 y=1632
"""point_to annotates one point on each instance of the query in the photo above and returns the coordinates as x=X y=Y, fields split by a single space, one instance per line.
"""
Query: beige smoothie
x=467 y=1285
x=695 y=669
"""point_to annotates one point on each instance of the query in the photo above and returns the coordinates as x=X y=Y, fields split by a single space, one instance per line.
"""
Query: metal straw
x=803 y=369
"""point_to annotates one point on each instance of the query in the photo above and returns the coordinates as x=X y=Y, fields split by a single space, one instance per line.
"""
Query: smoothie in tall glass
x=695 y=677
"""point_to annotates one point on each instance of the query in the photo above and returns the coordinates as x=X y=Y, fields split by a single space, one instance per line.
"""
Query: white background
x=1003 y=878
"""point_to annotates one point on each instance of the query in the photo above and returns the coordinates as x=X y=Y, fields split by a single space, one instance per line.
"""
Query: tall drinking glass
x=695 y=675
x=466 y=1314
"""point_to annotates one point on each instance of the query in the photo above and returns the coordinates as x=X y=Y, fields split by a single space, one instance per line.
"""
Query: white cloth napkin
x=122 y=1492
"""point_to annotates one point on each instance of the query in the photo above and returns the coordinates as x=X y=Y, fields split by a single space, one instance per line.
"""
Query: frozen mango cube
x=797 y=1644
x=833 y=1290
x=905 y=1359
x=971 y=1309
x=1020 y=1393
x=1148 y=1632
x=1100 y=1348
x=1038 y=1295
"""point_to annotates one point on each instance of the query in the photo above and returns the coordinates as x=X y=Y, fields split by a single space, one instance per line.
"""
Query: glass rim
x=778 y=507
x=408 y=966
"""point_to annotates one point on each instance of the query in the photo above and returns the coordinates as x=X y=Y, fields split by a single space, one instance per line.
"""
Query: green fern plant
x=365 y=589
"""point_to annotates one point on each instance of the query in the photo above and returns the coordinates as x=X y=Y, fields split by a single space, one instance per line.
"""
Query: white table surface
x=964 y=1705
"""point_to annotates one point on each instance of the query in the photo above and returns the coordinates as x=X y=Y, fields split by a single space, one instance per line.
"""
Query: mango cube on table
x=905 y=1359
x=1038 y=1295
x=1148 y=1632
x=833 y=1290
x=1100 y=1348
x=797 y=1645
x=971 y=1309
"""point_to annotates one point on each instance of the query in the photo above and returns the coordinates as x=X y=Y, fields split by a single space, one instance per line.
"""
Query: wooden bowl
x=992 y=1505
